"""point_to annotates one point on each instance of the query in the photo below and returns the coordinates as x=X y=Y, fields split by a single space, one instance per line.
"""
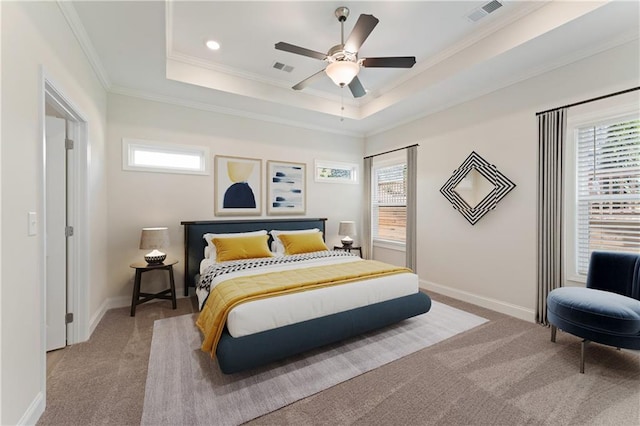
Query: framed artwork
x=476 y=187
x=237 y=186
x=286 y=188
x=335 y=172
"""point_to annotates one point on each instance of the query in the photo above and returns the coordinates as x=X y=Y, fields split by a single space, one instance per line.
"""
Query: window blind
x=389 y=204
x=608 y=188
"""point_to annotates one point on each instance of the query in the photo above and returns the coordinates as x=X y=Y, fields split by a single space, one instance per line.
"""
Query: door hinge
x=68 y=231
x=68 y=318
x=68 y=143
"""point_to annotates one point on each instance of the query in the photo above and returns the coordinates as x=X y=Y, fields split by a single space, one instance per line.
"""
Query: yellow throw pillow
x=302 y=243
x=241 y=248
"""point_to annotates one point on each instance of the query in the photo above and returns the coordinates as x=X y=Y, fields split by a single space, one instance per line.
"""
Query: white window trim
x=390 y=245
x=570 y=196
x=129 y=145
x=321 y=164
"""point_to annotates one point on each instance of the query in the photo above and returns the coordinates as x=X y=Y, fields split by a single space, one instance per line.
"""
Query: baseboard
x=35 y=410
x=493 y=304
x=113 y=303
x=110 y=303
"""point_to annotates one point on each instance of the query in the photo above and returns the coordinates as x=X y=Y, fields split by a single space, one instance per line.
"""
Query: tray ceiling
x=156 y=50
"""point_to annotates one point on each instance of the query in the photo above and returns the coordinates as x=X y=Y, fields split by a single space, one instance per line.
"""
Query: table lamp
x=154 y=238
x=347 y=228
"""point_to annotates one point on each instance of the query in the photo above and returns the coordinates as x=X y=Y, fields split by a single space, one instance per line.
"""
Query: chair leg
x=583 y=347
x=553 y=333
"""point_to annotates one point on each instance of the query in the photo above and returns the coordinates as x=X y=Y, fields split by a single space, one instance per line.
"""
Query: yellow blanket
x=228 y=294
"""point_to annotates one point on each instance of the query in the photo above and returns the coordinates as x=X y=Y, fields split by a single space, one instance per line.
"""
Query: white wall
x=36 y=35
x=139 y=199
x=493 y=263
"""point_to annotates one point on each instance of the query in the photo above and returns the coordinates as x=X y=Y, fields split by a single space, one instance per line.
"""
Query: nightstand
x=169 y=294
x=349 y=249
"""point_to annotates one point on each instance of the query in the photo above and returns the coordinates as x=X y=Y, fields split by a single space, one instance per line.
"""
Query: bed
x=253 y=348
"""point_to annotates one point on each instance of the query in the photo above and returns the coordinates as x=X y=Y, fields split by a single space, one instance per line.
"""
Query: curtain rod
x=622 y=92
x=393 y=150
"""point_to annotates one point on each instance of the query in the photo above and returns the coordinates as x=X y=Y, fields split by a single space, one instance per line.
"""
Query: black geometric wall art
x=467 y=186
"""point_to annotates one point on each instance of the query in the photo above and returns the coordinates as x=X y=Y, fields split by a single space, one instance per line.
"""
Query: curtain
x=551 y=140
x=366 y=223
x=412 y=171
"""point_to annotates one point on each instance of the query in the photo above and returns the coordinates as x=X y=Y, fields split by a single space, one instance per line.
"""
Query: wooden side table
x=169 y=294
x=349 y=249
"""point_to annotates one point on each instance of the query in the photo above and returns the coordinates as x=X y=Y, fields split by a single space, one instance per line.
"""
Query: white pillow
x=210 y=249
x=279 y=247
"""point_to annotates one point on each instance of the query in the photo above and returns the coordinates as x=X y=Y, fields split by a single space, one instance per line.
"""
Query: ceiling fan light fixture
x=213 y=45
x=342 y=72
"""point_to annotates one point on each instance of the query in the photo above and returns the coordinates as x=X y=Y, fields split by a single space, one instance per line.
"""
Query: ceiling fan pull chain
x=342 y=103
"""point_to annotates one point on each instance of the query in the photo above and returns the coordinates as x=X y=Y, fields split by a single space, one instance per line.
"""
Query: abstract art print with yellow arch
x=286 y=188
x=238 y=186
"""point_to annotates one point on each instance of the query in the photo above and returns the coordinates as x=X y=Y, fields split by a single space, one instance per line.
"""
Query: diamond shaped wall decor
x=476 y=187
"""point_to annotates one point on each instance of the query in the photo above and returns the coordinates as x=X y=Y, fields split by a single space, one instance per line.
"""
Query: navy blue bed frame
x=194 y=244
x=236 y=354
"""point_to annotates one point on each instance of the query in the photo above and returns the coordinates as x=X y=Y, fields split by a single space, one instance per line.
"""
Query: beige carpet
x=177 y=366
x=504 y=372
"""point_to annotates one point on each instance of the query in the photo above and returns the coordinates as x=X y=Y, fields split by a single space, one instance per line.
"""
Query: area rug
x=185 y=386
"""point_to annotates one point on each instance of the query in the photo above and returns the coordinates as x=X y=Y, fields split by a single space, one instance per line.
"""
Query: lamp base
x=155 y=257
x=346 y=243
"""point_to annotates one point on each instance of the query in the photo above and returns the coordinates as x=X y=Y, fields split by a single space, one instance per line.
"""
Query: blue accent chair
x=607 y=311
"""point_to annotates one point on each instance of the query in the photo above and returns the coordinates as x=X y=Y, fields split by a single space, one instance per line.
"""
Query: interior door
x=56 y=222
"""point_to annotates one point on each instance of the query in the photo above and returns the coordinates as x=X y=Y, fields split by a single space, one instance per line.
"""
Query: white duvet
x=266 y=314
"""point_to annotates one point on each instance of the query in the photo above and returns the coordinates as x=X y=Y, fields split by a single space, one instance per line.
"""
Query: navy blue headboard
x=194 y=244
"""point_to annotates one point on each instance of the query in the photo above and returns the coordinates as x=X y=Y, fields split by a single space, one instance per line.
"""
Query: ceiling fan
x=343 y=62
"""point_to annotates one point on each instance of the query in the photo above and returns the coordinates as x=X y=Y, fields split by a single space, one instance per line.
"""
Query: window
x=336 y=172
x=149 y=156
x=607 y=187
x=389 y=204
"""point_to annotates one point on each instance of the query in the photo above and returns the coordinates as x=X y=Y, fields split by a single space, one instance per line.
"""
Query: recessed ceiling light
x=213 y=45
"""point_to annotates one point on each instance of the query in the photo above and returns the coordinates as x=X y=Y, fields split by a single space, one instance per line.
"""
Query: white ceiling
x=156 y=50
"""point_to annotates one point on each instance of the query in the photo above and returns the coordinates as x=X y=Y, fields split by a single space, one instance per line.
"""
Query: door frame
x=53 y=94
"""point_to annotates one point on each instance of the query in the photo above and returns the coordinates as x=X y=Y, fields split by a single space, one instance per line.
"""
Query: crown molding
x=71 y=15
x=629 y=37
x=461 y=45
x=174 y=55
x=535 y=23
x=203 y=106
x=202 y=63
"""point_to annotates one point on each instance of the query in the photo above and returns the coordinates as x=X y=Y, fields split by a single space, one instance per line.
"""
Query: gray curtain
x=412 y=172
x=551 y=140
x=366 y=222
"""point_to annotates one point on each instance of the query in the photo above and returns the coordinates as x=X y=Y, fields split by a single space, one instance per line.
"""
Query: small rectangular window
x=336 y=172
x=161 y=157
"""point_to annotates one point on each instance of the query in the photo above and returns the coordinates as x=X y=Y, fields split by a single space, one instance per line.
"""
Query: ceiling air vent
x=282 y=67
x=483 y=11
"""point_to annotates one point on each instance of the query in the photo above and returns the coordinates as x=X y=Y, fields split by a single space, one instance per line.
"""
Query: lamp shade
x=154 y=238
x=347 y=228
x=342 y=72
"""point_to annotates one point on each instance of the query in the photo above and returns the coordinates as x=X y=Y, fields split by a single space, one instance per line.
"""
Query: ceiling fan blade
x=390 y=62
x=356 y=88
x=360 y=32
x=307 y=81
x=300 y=50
